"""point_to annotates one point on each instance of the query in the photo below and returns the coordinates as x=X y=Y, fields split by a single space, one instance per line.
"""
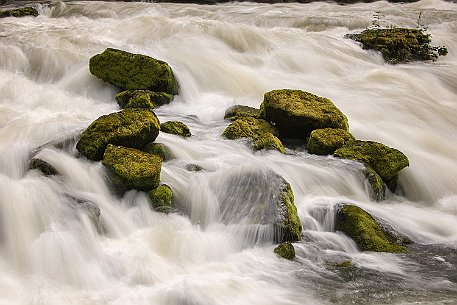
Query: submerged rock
x=375 y=181
x=248 y=127
x=160 y=198
x=285 y=250
x=296 y=113
x=143 y=99
x=19 y=12
x=269 y=141
x=91 y=209
x=194 y=167
x=176 y=127
x=399 y=44
x=326 y=141
x=159 y=149
x=237 y=111
x=43 y=166
x=132 y=168
x=365 y=231
x=133 y=71
x=130 y=127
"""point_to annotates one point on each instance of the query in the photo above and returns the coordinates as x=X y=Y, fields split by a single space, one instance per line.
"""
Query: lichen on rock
x=160 y=198
x=129 y=127
x=285 y=250
x=325 y=141
x=248 y=127
x=177 y=128
x=19 y=12
x=143 y=99
x=269 y=141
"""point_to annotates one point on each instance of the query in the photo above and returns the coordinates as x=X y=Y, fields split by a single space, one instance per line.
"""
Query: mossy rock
x=344 y=264
x=19 y=12
x=132 y=168
x=248 y=127
x=325 y=141
x=285 y=250
x=129 y=127
x=237 y=111
x=177 y=128
x=296 y=113
x=269 y=141
x=133 y=71
x=143 y=99
x=159 y=149
x=375 y=181
x=385 y=161
x=399 y=45
x=160 y=198
x=43 y=166
x=365 y=231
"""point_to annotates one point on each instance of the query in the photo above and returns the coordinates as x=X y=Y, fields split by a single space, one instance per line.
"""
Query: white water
x=50 y=253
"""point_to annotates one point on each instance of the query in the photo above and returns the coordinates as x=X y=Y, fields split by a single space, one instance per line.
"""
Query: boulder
x=269 y=141
x=160 y=198
x=133 y=71
x=385 y=161
x=399 y=45
x=43 y=166
x=296 y=113
x=19 y=12
x=131 y=168
x=176 y=127
x=365 y=231
x=143 y=99
x=285 y=250
x=162 y=150
x=130 y=127
x=237 y=111
x=248 y=127
x=325 y=141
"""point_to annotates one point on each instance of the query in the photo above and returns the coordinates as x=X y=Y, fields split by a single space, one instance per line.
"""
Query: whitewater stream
x=51 y=253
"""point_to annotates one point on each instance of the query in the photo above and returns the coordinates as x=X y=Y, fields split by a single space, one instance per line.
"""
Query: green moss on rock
x=344 y=264
x=130 y=127
x=176 y=127
x=326 y=141
x=142 y=99
x=19 y=12
x=291 y=227
x=132 y=168
x=160 y=198
x=285 y=250
x=133 y=71
x=377 y=185
x=296 y=113
x=399 y=44
x=43 y=166
x=159 y=149
x=363 y=229
x=237 y=111
x=385 y=161
x=248 y=127
x=269 y=141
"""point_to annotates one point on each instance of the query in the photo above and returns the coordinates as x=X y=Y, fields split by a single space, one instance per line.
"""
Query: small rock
x=325 y=141
x=43 y=166
x=176 y=127
x=19 y=12
x=159 y=149
x=160 y=198
x=237 y=111
x=285 y=250
x=269 y=141
x=248 y=127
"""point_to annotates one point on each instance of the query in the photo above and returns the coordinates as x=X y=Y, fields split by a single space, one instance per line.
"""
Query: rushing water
x=50 y=252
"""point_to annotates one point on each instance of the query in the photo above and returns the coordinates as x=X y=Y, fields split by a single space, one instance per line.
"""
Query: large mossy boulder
x=19 y=12
x=325 y=141
x=399 y=45
x=269 y=141
x=285 y=250
x=176 y=127
x=237 y=111
x=130 y=127
x=133 y=71
x=160 y=198
x=384 y=160
x=160 y=149
x=142 y=99
x=131 y=168
x=296 y=113
x=259 y=198
x=365 y=231
x=248 y=127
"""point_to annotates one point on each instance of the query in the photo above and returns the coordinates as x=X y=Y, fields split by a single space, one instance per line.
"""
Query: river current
x=222 y=55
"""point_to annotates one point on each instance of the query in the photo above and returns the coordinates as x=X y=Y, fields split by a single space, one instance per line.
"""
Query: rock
x=160 y=198
x=296 y=113
x=285 y=250
x=90 y=208
x=399 y=45
x=268 y=141
x=248 y=127
x=43 y=166
x=19 y=12
x=143 y=99
x=194 y=167
x=385 y=161
x=162 y=150
x=344 y=264
x=326 y=141
x=375 y=181
x=176 y=127
x=132 y=168
x=133 y=71
x=365 y=231
x=130 y=127
x=237 y=111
